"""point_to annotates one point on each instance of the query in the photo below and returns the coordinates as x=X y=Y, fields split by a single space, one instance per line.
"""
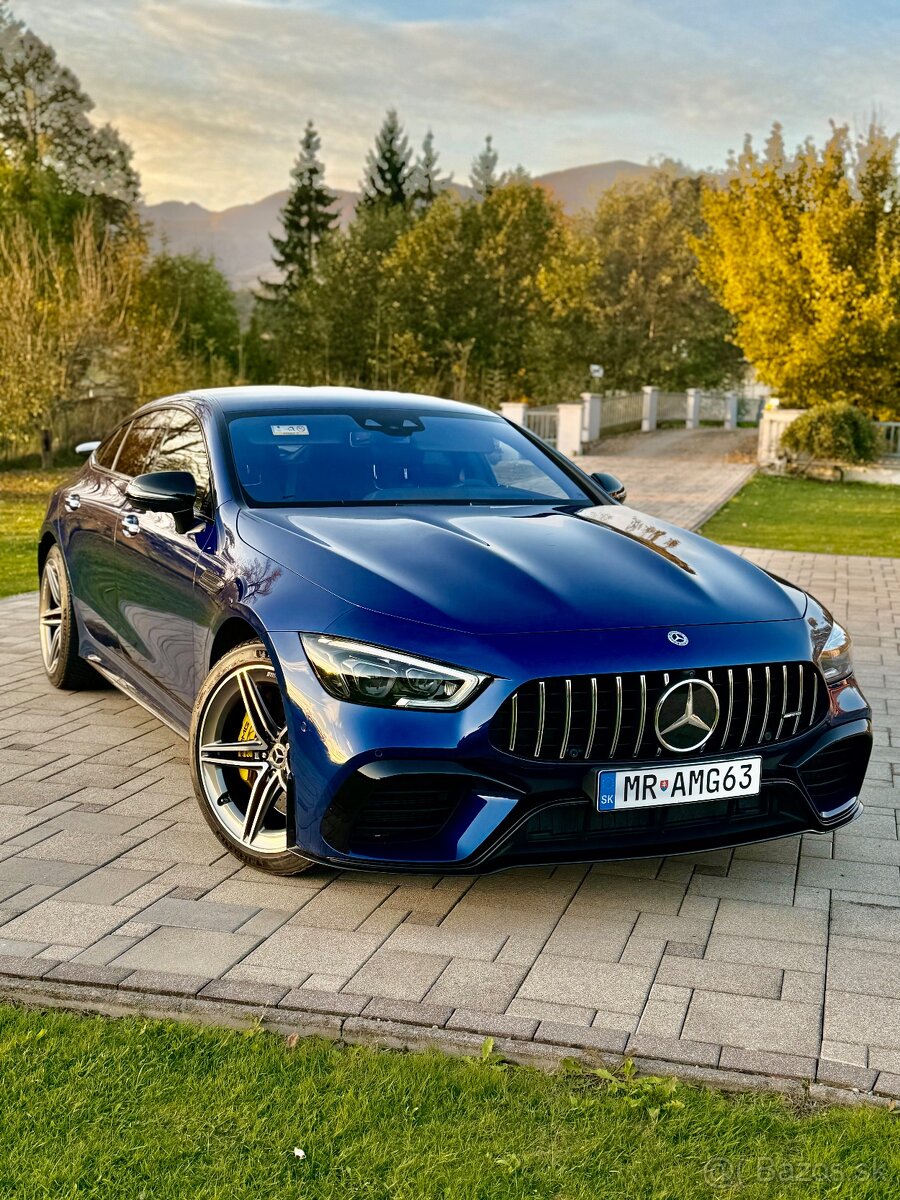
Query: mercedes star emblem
x=686 y=715
x=677 y=638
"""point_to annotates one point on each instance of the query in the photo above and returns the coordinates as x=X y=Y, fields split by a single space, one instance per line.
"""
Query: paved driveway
x=683 y=474
x=761 y=959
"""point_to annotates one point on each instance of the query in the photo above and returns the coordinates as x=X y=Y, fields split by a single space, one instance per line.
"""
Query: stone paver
x=682 y=475
x=779 y=958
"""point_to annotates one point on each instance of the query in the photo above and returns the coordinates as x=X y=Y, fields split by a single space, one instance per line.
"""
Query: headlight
x=834 y=657
x=369 y=675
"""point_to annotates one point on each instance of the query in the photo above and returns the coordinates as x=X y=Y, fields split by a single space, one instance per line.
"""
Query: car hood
x=519 y=570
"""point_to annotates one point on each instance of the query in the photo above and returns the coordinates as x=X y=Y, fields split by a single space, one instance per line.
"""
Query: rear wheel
x=58 y=631
x=240 y=761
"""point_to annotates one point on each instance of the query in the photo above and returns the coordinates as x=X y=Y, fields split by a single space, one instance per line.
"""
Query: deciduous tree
x=192 y=292
x=804 y=250
x=624 y=288
x=45 y=124
x=463 y=287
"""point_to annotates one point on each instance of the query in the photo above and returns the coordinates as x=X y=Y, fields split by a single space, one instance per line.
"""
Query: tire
x=240 y=763
x=58 y=630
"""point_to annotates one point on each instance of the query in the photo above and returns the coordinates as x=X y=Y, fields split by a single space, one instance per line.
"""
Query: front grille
x=612 y=717
x=836 y=773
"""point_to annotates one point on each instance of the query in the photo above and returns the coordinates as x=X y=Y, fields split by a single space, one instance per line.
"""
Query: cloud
x=214 y=93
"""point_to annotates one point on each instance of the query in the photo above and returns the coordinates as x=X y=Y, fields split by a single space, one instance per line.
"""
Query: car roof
x=292 y=399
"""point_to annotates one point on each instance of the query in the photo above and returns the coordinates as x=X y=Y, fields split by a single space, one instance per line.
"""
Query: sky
x=213 y=94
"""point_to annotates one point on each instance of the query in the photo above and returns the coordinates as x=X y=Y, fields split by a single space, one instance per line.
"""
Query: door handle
x=73 y=501
x=131 y=525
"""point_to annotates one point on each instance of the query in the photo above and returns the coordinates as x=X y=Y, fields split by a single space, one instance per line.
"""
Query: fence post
x=592 y=414
x=515 y=410
x=568 y=429
x=772 y=425
x=692 y=408
x=731 y=410
x=651 y=409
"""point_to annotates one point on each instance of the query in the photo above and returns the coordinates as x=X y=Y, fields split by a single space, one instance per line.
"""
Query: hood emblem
x=686 y=715
x=677 y=638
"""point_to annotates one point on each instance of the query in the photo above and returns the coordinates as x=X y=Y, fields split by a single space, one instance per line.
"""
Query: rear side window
x=105 y=454
x=141 y=441
x=183 y=449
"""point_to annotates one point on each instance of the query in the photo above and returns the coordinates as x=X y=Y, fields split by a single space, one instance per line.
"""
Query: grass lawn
x=127 y=1109
x=23 y=502
x=804 y=514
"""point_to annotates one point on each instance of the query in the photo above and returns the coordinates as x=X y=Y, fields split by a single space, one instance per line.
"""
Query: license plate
x=684 y=784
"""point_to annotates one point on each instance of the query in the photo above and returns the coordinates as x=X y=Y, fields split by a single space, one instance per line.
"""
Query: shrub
x=832 y=432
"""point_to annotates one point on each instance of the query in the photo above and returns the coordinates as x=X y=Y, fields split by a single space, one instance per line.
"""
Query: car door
x=93 y=504
x=156 y=561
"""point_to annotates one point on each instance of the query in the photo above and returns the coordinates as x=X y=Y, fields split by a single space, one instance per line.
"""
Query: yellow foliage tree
x=80 y=345
x=804 y=251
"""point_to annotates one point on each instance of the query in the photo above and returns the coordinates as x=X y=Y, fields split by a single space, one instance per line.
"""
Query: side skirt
x=128 y=689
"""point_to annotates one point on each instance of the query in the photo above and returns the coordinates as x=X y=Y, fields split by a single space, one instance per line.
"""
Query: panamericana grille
x=612 y=717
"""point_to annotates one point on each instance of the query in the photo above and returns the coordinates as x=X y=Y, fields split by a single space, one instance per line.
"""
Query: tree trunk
x=46 y=449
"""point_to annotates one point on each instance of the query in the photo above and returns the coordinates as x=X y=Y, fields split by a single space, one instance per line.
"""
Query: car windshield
x=367 y=455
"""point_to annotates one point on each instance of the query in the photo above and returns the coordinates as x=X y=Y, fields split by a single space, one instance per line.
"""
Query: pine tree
x=427 y=181
x=484 y=170
x=388 y=180
x=307 y=217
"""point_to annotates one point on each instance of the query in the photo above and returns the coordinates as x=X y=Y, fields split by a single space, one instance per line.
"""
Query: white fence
x=776 y=420
x=569 y=427
x=545 y=423
x=890 y=433
x=559 y=425
x=773 y=424
x=617 y=414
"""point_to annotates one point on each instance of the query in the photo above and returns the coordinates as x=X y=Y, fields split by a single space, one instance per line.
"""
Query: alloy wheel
x=51 y=614
x=243 y=758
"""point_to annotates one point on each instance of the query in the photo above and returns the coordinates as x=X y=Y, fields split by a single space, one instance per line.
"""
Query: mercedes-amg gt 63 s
x=402 y=633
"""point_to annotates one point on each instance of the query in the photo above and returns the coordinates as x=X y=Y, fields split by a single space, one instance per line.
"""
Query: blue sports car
x=402 y=633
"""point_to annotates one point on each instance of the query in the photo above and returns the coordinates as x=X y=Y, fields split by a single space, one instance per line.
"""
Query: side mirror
x=611 y=485
x=86 y=447
x=163 y=491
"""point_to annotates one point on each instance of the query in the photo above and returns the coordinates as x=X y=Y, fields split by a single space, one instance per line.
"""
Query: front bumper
x=380 y=789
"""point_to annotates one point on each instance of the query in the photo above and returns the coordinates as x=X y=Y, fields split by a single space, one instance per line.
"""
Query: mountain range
x=238 y=237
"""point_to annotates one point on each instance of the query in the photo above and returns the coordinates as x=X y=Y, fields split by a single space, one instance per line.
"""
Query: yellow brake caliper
x=247 y=734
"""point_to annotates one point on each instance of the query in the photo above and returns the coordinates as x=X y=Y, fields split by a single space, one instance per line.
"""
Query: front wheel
x=240 y=760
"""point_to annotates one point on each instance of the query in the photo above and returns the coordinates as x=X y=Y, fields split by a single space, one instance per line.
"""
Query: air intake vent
x=404 y=814
x=833 y=775
x=603 y=718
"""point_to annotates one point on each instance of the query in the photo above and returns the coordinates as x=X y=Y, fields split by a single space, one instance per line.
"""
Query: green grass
x=805 y=514
x=130 y=1109
x=23 y=502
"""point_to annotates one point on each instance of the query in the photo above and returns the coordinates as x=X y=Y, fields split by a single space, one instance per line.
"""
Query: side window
x=182 y=449
x=105 y=454
x=136 y=455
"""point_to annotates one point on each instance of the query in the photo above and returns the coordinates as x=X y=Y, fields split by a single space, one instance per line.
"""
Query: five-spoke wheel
x=59 y=635
x=51 y=613
x=241 y=760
